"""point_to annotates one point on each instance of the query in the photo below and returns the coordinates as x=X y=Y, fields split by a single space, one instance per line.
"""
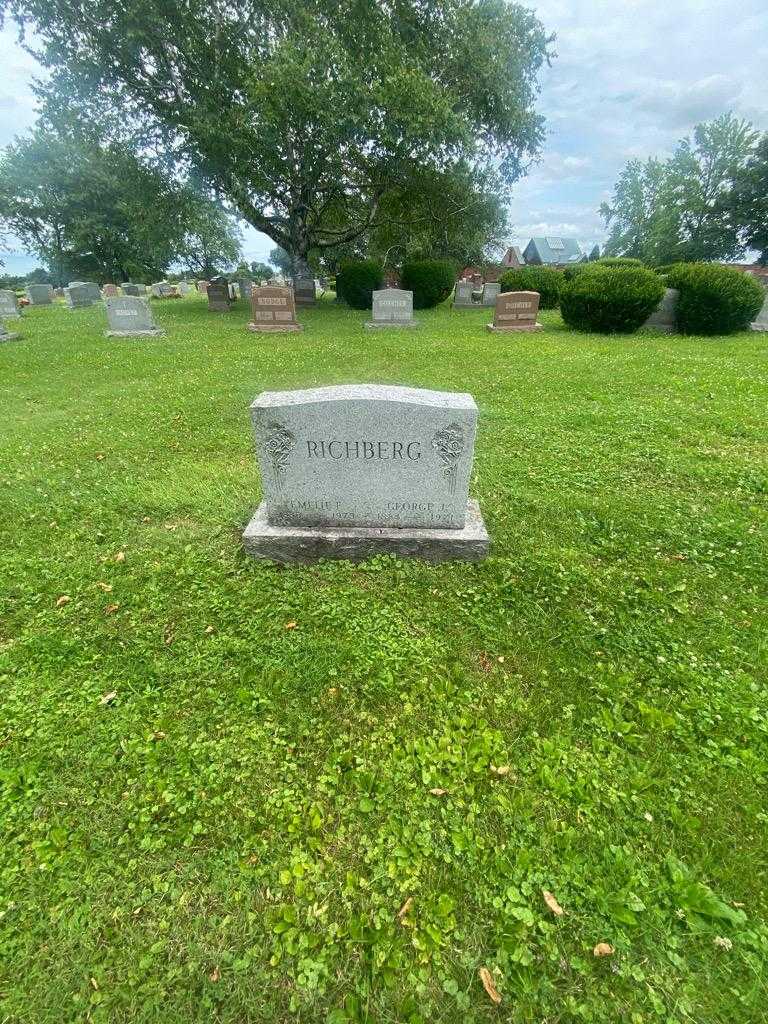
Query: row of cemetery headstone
x=466 y=296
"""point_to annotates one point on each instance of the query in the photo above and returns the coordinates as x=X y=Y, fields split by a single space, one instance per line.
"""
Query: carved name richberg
x=367 y=450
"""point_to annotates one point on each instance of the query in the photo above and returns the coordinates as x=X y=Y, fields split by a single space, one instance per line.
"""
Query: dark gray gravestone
x=392 y=307
x=130 y=316
x=78 y=296
x=359 y=470
x=664 y=317
x=40 y=294
x=304 y=291
x=218 y=295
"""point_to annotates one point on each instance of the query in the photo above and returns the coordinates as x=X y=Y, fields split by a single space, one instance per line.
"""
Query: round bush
x=359 y=279
x=545 y=280
x=618 y=261
x=611 y=299
x=714 y=299
x=431 y=281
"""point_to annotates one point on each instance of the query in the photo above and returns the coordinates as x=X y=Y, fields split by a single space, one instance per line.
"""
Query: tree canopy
x=305 y=114
x=746 y=205
x=668 y=210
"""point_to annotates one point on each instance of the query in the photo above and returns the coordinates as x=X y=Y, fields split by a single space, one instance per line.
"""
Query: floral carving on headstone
x=278 y=444
x=448 y=442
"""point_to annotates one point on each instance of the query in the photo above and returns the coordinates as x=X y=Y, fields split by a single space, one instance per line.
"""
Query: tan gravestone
x=516 y=311
x=109 y=291
x=273 y=310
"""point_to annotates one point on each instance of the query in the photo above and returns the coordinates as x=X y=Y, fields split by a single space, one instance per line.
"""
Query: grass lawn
x=217 y=777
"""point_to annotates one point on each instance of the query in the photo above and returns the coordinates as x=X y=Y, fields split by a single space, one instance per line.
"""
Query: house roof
x=554 y=249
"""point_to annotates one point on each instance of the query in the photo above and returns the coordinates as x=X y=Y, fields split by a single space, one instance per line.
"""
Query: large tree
x=305 y=113
x=665 y=210
x=211 y=240
x=746 y=206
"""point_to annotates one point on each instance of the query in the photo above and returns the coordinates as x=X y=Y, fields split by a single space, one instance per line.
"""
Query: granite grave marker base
x=8 y=335
x=306 y=544
x=359 y=470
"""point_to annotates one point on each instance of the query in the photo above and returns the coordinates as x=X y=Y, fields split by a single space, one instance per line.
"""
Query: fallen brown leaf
x=500 y=770
x=108 y=697
x=291 y=625
x=64 y=599
x=405 y=908
x=438 y=792
x=106 y=587
x=111 y=608
x=209 y=630
x=100 y=456
x=120 y=556
x=603 y=949
x=487 y=980
x=215 y=973
x=552 y=903
x=95 y=984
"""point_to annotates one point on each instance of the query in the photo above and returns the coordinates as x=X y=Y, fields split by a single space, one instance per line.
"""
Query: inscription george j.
x=384 y=451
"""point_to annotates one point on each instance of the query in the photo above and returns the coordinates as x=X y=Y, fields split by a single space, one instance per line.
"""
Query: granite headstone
x=40 y=294
x=109 y=291
x=218 y=295
x=392 y=307
x=78 y=296
x=664 y=317
x=490 y=293
x=9 y=307
x=304 y=291
x=130 y=316
x=761 y=323
x=273 y=310
x=357 y=470
x=516 y=311
x=462 y=297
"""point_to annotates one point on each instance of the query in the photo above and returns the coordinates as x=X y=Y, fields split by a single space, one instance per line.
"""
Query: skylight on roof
x=555 y=243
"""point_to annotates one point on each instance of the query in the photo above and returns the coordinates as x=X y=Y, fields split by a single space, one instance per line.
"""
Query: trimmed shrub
x=431 y=281
x=574 y=269
x=610 y=300
x=618 y=261
x=359 y=279
x=714 y=299
x=545 y=280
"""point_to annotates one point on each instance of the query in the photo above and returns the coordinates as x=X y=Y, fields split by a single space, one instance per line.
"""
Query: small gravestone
x=664 y=316
x=109 y=291
x=218 y=295
x=6 y=335
x=184 y=288
x=462 y=298
x=246 y=287
x=304 y=291
x=516 y=311
x=273 y=311
x=134 y=289
x=40 y=294
x=9 y=307
x=361 y=470
x=490 y=293
x=90 y=289
x=392 y=307
x=761 y=323
x=78 y=296
x=130 y=316
x=202 y=287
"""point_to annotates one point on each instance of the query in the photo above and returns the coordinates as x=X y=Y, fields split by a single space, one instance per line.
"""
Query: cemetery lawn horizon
x=236 y=792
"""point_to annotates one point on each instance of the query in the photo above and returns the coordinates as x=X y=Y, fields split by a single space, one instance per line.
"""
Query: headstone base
x=517 y=328
x=375 y=324
x=274 y=328
x=9 y=337
x=306 y=544
x=758 y=327
x=134 y=334
x=466 y=305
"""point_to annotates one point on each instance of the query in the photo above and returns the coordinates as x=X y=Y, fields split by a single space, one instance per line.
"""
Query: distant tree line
x=708 y=201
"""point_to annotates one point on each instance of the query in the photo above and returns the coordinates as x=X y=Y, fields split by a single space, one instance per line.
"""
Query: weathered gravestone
x=516 y=311
x=273 y=310
x=304 y=291
x=392 y=307
x=91 y=289
x=9 y=307
x=130 y=316
x=365 y=469
x=202 y=287
x=490 y=293
x=134 y=289
x=78 y=296
x=40 y=294
x=664 y=316
x=184 y=288
x=218 y=295
x=462 y=296
x=761 y=324
x=6 y=335
x=246 y=287
x=109 y=291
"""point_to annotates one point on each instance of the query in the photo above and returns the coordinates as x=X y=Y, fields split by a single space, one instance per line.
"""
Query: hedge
x=545 y=280
x=611 y=299
x=357 y=280
x=714 y=299
x=431 y=281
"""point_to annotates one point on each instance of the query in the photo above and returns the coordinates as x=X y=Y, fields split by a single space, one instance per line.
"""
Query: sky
x=630 y=78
